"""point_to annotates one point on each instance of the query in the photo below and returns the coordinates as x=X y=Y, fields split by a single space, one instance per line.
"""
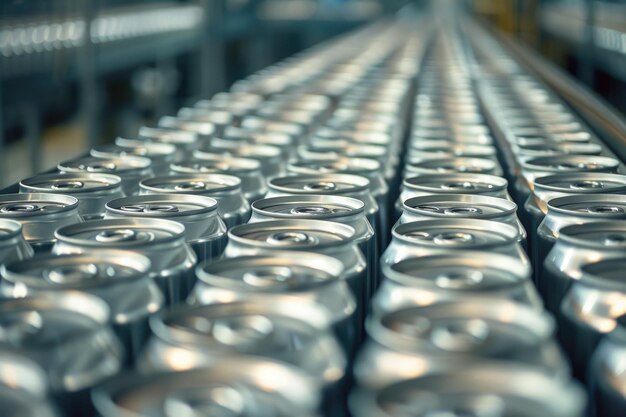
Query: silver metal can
x=591 y=309
x=505 y=390
x=161 y=154
x=40 y=215
x=233 y=385
x=13 y=246
x=253 y=182
x=204 y=229
x=461 y=276
x=32 y=378
x=578 y=245
x=534 y=168
x=285 y=142
x=91 y=190
x=368 y=168
x=333 y=184
x=606 y=378
x=185 y=141
x=449 y=236
x=457 y=183
x=130 y=169
x=308 y=276
x=425 y=150
x=54 y=331
x=324 y=237
x=120 y=278
x=275 y=327
x=462 y=206
x=233 y=207
x=575 y=209
x=344 y=210
x=260 y=124
x=445 y=335
x=270 y=157
x=162 y=241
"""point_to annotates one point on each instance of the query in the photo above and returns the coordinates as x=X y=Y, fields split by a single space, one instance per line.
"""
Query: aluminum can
x=462 y=206
x=285 y=142
x=130 y=169
x=344 y=210
x=308 y=276
x=161 y=154
x=445 y=335
x=458 y=183
x=578 y=245
x=591 y=309
x=324 y=237
x=505 y=390
x=185 y=141
x=529 y=151
x=40 y=215
x=91 y=190
x=368 y=168
x=16 y=403
x=270 y=157
x=13 y=246
x=449 y=236
x=607 y=376
x=204 y=130
x=236 y=385
x=562 y=185
x=575 y=209
x=421 y=135
x=204 y=230
x=220 y=119
x=119 y=278
x=451 y=166
x=535 y=168
x=333 y=184
x=161 y=241
x=466 y=275
x=54 y=331
x=232 y=207
x=275 y=327
x=253 y=182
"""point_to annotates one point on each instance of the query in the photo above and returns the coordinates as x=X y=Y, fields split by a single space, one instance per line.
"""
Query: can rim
x=555 y=204
x=354 y=205
x=11 y=228
x=544 y=183
x=140 y=162
x=508 y=207
x=228 y=183
x=69 y=203
x=108 y=181
x=510 y=233
x=357 y=182
x=207 y=204
x=418 y=182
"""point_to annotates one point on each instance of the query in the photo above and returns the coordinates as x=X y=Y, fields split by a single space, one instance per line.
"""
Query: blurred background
x=75 y=73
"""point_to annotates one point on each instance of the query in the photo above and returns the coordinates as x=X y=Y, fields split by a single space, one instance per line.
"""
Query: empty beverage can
x=204 y=130
x=307 y=276
x=253 y=182
x=449 y=334
x=204 y=230
x=161 y=154
x=275 y=327
x=462 y=206
x=452 y=165
x=270 y=157
x=184 y=141
x=591 y=309
x=235 y=385
x=40 y=215
x=324 y=237
x=13 y=247
x=449 y=236
x=464 y=275
x=232 y=207
x=576 y=246
x=91 y=190
x=131 y=169
x=575 y=209
x=344 y=210
x=120 y=278
x=54 y=331
x=505 y=390
x=161 y=241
